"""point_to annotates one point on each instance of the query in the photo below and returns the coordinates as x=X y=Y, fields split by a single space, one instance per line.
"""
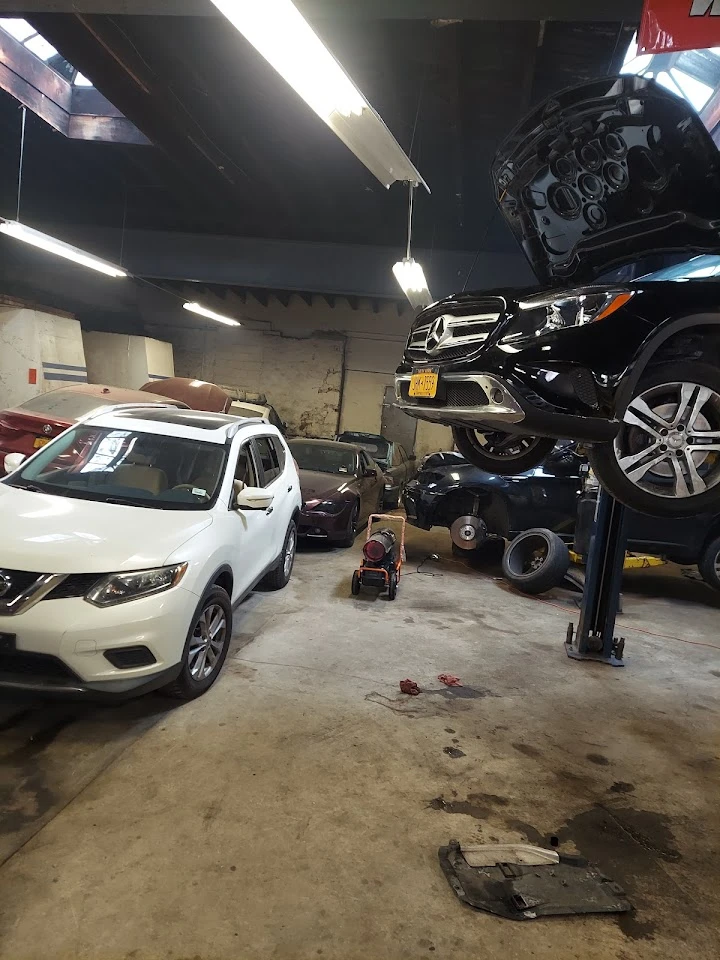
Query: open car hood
x=604 y=173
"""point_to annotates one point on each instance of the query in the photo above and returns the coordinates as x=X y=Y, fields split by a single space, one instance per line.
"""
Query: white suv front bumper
x=77 y=635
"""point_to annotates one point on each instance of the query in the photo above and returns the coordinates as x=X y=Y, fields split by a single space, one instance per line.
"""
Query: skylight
x=691 y=74
x=28 y=36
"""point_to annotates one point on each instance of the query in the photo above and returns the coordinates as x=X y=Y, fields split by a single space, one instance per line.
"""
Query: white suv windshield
x=127 y=466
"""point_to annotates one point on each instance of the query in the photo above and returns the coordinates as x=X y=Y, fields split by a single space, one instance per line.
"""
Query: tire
x=537 y=560
x=709 y=564
x=392 y=585
x=502 y=453
x=280 y=575
x=188 y=684
x=355 y=585
x=349 y=539
x=668 y=490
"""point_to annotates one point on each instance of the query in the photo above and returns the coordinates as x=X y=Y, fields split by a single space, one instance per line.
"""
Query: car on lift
x=482 y=510
x=392 y=458
x=341 y=486
x=34 y=423
x=127 y=542
x=599 y=176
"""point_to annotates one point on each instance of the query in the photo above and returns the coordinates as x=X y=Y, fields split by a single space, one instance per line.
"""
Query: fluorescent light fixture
x=20 y=29
x=12 y=228
x=409 y=274
x=279 y=32
x=210 y=314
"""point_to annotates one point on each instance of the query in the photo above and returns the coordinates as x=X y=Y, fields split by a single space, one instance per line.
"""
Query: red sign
x=669 y=25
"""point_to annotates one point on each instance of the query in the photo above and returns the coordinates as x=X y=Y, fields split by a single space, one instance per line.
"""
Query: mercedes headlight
x=539 y=315
x=121 y=587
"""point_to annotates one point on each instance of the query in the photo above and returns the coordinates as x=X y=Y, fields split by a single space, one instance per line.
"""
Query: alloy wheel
x=289 y=557
x=502 y=445
x=207 y=641
x=669 y=444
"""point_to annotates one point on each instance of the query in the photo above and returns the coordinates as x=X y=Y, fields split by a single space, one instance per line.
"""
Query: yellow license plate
x=424 y=383
x=40 y=442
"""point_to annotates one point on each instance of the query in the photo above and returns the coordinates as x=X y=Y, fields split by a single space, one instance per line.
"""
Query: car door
x=268 y=455
x=369 y=486
x=251 y=530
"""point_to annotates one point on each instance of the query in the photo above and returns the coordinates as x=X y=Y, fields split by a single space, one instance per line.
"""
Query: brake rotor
x=468 y=532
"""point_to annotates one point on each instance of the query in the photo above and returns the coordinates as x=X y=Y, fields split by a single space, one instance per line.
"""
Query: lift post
x=595 y=636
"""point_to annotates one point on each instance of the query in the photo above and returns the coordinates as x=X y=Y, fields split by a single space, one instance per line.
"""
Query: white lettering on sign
x=701 y=8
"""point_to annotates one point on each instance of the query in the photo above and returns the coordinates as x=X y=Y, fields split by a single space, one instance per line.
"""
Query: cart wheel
x=392 y=585
x=355 y=587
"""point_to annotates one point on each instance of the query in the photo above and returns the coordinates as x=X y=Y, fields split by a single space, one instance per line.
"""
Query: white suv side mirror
x=13 y=461
x=254 y=498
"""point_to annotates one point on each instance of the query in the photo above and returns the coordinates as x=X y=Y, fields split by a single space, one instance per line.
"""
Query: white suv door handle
x=290 y=489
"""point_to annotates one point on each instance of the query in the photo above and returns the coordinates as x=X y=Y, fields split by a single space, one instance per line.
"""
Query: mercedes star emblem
x=438 y=335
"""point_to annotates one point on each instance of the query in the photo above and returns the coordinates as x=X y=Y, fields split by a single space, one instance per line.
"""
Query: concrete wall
x=37 y=344
x=322 y=366
x=125 y=361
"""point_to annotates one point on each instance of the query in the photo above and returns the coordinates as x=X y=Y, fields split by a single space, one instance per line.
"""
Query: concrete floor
x=296 y=810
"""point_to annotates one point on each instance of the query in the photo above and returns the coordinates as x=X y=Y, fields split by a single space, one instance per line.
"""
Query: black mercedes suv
x=600 y=176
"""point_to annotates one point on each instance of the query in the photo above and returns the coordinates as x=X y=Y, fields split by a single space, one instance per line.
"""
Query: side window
x=268 y=458
x=396 y=457
x=245 y=469
x=365 y=461
x=280 y=452
x=403 y=454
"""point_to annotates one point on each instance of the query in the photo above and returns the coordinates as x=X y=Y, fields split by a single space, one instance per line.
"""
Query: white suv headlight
x=121 y=587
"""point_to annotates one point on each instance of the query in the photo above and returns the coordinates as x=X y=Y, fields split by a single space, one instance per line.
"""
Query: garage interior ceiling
x=239 y=160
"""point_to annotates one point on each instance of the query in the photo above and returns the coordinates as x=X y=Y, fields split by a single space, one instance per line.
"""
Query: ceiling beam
x=567 y=10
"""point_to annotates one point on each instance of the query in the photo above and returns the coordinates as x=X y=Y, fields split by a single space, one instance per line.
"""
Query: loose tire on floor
x=709 y=564
x=280 y=575
x=501 y=453
x=193 y=680
x=536 y=560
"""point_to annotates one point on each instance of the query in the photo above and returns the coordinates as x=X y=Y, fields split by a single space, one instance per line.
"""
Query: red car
x=32 y=424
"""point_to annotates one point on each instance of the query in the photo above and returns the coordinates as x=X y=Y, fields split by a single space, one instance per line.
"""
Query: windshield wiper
x=120 y=501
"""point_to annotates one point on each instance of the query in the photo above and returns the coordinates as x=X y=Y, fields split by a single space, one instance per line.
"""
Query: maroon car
x=341 y=486
x=30 y=425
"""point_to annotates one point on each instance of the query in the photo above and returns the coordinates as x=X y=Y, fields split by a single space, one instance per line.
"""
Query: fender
x=647 y=351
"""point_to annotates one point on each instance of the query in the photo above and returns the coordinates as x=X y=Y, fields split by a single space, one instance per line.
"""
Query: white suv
x=128 y=540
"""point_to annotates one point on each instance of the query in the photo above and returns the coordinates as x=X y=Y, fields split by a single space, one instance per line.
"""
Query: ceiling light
x=20 y=29
x=41 y=47
x=280 y=33
x=210 y=314
x=12 y=228
x=409 y=274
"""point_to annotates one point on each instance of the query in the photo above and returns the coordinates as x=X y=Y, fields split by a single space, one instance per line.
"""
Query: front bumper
x=313 y=525
x=477 y=400
x=59 y=646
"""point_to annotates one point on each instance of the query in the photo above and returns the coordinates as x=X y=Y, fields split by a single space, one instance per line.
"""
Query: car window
x=269 y=462
x=128 y=467
x=279 y=448
x=403 y=454
x=327 y=457
x=397 y=459
x=245 y=467
x=365 y=461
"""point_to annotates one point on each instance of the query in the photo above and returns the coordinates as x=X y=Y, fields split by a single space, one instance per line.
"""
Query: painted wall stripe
x=69 y=377
x=63 y=366
x=158 y=376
